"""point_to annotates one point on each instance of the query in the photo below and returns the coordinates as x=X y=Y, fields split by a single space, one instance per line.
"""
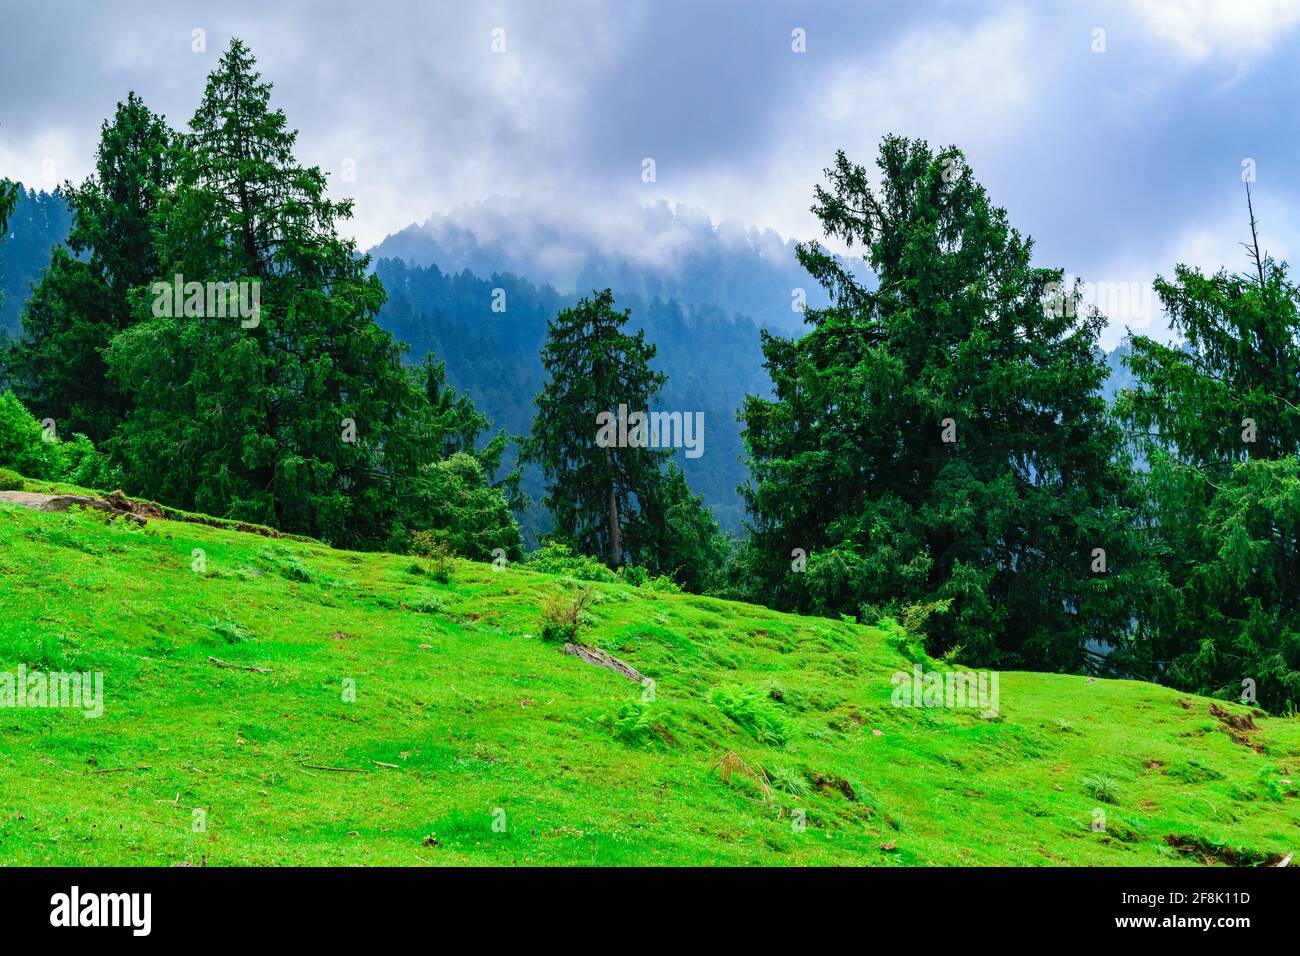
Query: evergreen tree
x=596 y=494
x=82 y=299
x=9 y=192
x=1218 y=418
x=937 y=442
x=292 y=409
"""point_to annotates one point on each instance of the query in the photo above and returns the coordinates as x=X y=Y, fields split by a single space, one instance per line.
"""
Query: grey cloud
x=1107 y=159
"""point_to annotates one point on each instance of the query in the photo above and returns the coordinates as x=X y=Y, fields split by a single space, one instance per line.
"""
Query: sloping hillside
x=472 y=741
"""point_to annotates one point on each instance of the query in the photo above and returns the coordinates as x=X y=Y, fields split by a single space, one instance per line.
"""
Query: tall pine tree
x=597 y=495
x=9 y=191
x=1217 y=416
x=293 y=409
x=937 y=443
x=82 y=300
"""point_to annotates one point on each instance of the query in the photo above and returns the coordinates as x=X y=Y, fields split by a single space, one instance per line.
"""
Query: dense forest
x=935 y=443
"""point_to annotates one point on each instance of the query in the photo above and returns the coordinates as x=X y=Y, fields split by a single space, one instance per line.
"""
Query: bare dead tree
x=1252 y=248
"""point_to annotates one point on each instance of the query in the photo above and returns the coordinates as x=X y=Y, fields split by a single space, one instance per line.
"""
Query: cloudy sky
x=1114 y=132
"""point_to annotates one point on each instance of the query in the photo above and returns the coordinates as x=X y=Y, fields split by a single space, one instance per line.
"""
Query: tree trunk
x=615 y=534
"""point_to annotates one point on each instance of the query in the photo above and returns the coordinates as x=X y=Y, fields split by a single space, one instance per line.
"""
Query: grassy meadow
x=398 y=718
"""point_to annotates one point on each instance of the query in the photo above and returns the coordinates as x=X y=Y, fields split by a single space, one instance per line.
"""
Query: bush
x=85 y=466
x=458 y=506
x=557 y=558
x=639 y=577
x=433 y=547
x=25 y=448
x=563 y=618
x=10 y=481
x=23 y=444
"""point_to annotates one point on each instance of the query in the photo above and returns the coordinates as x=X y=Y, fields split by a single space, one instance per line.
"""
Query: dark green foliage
x=1223 y=511
x=689 y=546
x=9 y=193
x=596 y=494
x=711 y=357
x=622 y=504
x=453 y=496
x=296 y=413
x=82 y=300
x=849 y=462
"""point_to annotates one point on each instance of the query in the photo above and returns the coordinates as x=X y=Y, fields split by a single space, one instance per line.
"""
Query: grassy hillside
x=463 y=716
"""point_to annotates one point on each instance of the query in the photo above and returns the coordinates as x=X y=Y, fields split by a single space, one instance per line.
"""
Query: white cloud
x=1223 y=28
x=46 y=158
x=950 y=83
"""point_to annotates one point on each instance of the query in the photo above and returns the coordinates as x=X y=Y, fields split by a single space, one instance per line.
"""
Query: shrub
x=10 y=481
x=641 y=578
x=85 y=466
x=456 y=501
x=557 y=558
x=23 y=446
x=434 y=548
x=563 y=618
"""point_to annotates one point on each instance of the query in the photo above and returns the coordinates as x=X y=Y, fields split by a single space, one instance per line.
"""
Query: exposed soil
x=139 y=512
x=1238 y=726
x=1209 y=854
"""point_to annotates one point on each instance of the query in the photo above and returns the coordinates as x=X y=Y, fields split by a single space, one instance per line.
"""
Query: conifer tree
x=284 y=404
x=596 y=494
x=82 y=300
x=937 y=445
x=8 y=200
x=1217 y=415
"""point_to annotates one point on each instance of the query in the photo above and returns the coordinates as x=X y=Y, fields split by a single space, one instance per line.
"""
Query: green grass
x=478 y=743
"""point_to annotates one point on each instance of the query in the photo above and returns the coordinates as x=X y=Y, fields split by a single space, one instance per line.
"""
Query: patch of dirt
x=142 y=509
x=40 y=502
x=1238 y=726
x=834 y=784
x=138 y=512
x=1209 y=854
